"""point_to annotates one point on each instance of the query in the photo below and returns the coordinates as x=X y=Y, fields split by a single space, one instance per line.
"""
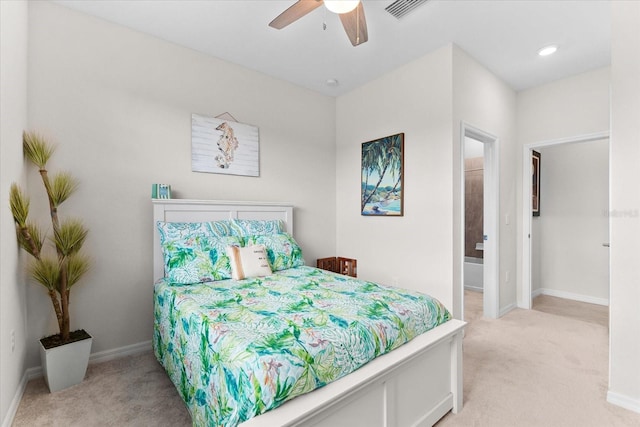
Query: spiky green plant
x=58 y=272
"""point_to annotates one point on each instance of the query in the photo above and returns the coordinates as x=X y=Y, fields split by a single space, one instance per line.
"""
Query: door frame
x=491 y=214
x=524 y=297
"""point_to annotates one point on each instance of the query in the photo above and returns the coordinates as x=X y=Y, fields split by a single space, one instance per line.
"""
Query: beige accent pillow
x=250 y=261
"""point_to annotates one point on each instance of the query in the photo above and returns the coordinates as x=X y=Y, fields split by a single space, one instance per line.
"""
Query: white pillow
x=250 y=261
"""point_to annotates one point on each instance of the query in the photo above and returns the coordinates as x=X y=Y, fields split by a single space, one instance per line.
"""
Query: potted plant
x=57 y=266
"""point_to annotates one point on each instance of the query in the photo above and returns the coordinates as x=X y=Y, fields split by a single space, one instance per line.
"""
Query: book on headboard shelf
x=161 y=191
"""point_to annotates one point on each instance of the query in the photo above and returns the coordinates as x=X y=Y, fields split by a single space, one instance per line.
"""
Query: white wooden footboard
x=414 y=385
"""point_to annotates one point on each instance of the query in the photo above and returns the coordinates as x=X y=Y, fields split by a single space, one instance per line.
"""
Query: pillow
x=248 y=227
x=250 y=261
x=173 y=231
x=198 y=259
x=282 y=250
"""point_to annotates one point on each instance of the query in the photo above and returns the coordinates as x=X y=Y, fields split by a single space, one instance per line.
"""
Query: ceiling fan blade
x=294 y=12
x=355 y=25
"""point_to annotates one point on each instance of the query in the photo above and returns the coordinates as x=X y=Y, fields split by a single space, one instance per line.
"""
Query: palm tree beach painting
x=382 y=176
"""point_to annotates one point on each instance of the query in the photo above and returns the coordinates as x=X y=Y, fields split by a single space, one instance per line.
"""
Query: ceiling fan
x=351 y=14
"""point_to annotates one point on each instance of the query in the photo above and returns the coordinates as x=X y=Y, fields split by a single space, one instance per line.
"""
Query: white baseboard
x=570 y=295
x=17 y=397
x=503 y=311
x=536 y=293
x=623 y=401
x=102 y=356
x=116 y=353
x=507 y=309
x=99 y=357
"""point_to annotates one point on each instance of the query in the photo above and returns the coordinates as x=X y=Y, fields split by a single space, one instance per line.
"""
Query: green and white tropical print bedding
x=235 y=349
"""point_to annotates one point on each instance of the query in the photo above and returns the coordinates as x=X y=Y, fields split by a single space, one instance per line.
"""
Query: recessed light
x=548 y=50
x=332 y=82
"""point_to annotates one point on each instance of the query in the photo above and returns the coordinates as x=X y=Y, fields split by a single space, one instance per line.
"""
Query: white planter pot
x=65 y=365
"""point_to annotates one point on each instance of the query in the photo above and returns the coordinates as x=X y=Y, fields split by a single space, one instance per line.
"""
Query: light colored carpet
x=591 y=313
x=530 y=368
x=535 y=368
x=130 y=391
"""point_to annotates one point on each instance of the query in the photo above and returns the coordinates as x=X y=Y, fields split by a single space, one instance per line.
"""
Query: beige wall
x=426 y=99
x=566 y=108
x=624 y=376
x=13 y=106
x=119 y=105
x=483 y=101
x=413 y=251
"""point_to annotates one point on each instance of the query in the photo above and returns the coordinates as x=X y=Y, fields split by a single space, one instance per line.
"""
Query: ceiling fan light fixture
x=341 y=6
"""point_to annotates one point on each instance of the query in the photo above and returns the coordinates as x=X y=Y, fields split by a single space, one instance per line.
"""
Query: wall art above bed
x=382 y=184
x=219 y=145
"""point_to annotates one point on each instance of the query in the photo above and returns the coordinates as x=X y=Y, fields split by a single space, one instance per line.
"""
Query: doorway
x=488 y=244
x=530 y=283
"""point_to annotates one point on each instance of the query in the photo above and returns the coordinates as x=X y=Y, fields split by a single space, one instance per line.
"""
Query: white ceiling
x=502 y=35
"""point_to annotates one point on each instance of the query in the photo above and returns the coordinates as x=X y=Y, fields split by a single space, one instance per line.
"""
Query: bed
x=414 y=379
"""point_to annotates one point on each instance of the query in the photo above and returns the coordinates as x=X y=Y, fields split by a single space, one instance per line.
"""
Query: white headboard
x=184 y=210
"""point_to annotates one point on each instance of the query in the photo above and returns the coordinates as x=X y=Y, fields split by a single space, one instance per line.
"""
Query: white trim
x=15 y=403
x=462 y=225
x=536 y=293
x=117 y=353
x=623 y=401
x=570 y=295
x=208 y=203
x=491 y=276
x=525 y=279
x=492 y=229
x=596 y=136
x=473 y=288
x=101 y=356
x=507 y=309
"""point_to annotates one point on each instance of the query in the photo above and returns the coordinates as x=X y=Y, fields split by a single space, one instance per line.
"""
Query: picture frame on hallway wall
x=535 y=182
x=222 y=145
x=382 y=177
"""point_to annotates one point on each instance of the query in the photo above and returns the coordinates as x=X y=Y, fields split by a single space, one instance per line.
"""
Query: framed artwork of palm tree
x=382 y=187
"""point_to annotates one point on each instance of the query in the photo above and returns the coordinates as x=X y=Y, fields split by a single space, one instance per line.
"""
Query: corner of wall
x=624 y=344
x=13 y=119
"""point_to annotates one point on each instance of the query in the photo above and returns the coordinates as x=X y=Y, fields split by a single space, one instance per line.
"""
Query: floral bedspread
x=235 y=349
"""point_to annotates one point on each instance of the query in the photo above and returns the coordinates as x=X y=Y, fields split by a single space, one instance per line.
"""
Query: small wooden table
x=346 y=266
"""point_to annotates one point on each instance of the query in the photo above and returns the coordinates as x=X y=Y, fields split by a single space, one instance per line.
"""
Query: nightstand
x=346 y=266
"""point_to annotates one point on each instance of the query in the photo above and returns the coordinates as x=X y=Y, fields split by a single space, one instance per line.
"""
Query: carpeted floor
x=130 y=391
x=541 y=367
x=591 y=313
